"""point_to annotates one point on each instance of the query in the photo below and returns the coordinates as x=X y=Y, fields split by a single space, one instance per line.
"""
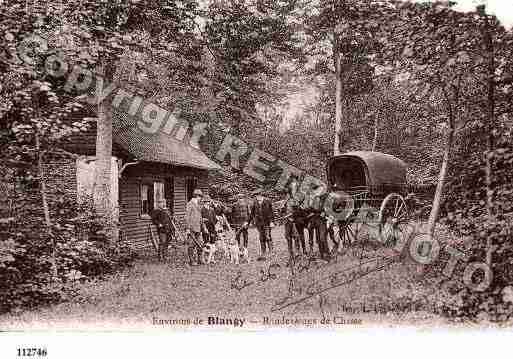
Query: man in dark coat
x=219 y=208
x=291 y=235
x=313 y=211
x=161 y=218
x=240 y=215
x=209 y=220
x=297 y=216
x=263 y=217
x=301 y=219
x=321 y=225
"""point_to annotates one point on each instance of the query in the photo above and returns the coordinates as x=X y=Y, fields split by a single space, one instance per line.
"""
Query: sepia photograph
x=255 y=166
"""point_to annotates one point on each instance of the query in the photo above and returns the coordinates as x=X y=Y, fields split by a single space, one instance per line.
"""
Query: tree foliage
x=421 y=81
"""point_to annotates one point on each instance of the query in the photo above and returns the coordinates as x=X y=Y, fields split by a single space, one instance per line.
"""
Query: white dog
x=210 y=249
x=222 y=224
x=221 y=244
x=236 y=253
x=222 y=229
x=244 y=254
x=208 y=252
x=233 y=251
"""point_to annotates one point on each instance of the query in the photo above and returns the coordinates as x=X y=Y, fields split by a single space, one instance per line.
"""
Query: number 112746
x=32 y=352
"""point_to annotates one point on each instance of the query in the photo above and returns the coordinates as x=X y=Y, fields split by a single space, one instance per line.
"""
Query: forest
x=302 y=80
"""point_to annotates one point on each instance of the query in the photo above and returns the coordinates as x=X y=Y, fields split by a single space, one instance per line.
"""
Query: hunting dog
x=233 y=251
x=244 y=254
x=220 y=245
x=207 y=253
x=236 y=253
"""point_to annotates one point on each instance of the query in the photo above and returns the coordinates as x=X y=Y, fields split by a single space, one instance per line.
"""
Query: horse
x=309 y=214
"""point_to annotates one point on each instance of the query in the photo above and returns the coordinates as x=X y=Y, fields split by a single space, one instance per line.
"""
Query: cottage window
x=154 y=192
x=147 y=198
x=158 y=192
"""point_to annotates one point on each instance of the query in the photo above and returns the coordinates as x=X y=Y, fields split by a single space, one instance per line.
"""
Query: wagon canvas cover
x=366 y=168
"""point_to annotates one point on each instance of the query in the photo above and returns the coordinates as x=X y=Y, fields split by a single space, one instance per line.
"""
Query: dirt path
x=175 y=296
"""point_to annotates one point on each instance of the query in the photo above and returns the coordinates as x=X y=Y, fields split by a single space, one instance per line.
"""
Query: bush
x=82 y=251
x=466 y=213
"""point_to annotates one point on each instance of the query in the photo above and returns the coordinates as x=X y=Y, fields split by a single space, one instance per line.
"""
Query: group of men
x=202 y=215
x=305 y=211
x=302 y=212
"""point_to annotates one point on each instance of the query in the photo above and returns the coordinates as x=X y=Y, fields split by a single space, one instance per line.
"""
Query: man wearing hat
x=320 y=226
x=240 y=215
x=262 y=216
x=194 y=223
x=209 y=220
x=161 y=218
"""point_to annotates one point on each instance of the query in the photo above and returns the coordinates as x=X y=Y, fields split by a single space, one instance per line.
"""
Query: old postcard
x=240 y=166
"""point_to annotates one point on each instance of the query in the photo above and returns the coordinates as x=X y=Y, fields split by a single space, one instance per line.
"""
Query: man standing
x=194 y=223
x=241 y=213
x=161 y=218
x=311 y=207
x=291 y=235
x=209 y=220
x=320 y=223
x=295 y=219
x=262 y=216
x=299 y=213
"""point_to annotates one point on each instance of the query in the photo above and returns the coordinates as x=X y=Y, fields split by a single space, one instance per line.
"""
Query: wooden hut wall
x=134 y=225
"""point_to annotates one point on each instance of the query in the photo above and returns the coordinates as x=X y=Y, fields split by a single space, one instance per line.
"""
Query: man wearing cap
x=209 y=220
x=161 y=218
x=240 y=215
x=289 y=210
x=321 y=226
x=312 y=213
x=262 y=216
x=194 y=223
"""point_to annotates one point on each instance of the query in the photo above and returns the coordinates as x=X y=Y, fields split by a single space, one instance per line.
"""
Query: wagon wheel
x=393 y=219
x=350 y=227
x=348 y=231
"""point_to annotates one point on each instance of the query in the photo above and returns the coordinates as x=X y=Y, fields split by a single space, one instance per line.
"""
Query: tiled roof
x=158 y=147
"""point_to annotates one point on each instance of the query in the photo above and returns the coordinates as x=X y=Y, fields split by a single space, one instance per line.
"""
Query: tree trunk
x=437 y=200
x=207 y=91
x=452 y=106
x=490 y=126
x=338 y=97
x=44 y=202
x=102 y=172
x=375 y=139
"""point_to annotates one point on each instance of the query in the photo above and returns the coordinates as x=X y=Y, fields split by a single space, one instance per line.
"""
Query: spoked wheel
x=393 y=219
x=350 y=227
x=348 y=231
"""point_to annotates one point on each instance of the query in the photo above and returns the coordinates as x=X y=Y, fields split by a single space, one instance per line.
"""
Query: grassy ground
x=142 y=296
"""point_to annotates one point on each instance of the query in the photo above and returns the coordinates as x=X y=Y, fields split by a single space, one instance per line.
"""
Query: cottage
x=145 y=169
